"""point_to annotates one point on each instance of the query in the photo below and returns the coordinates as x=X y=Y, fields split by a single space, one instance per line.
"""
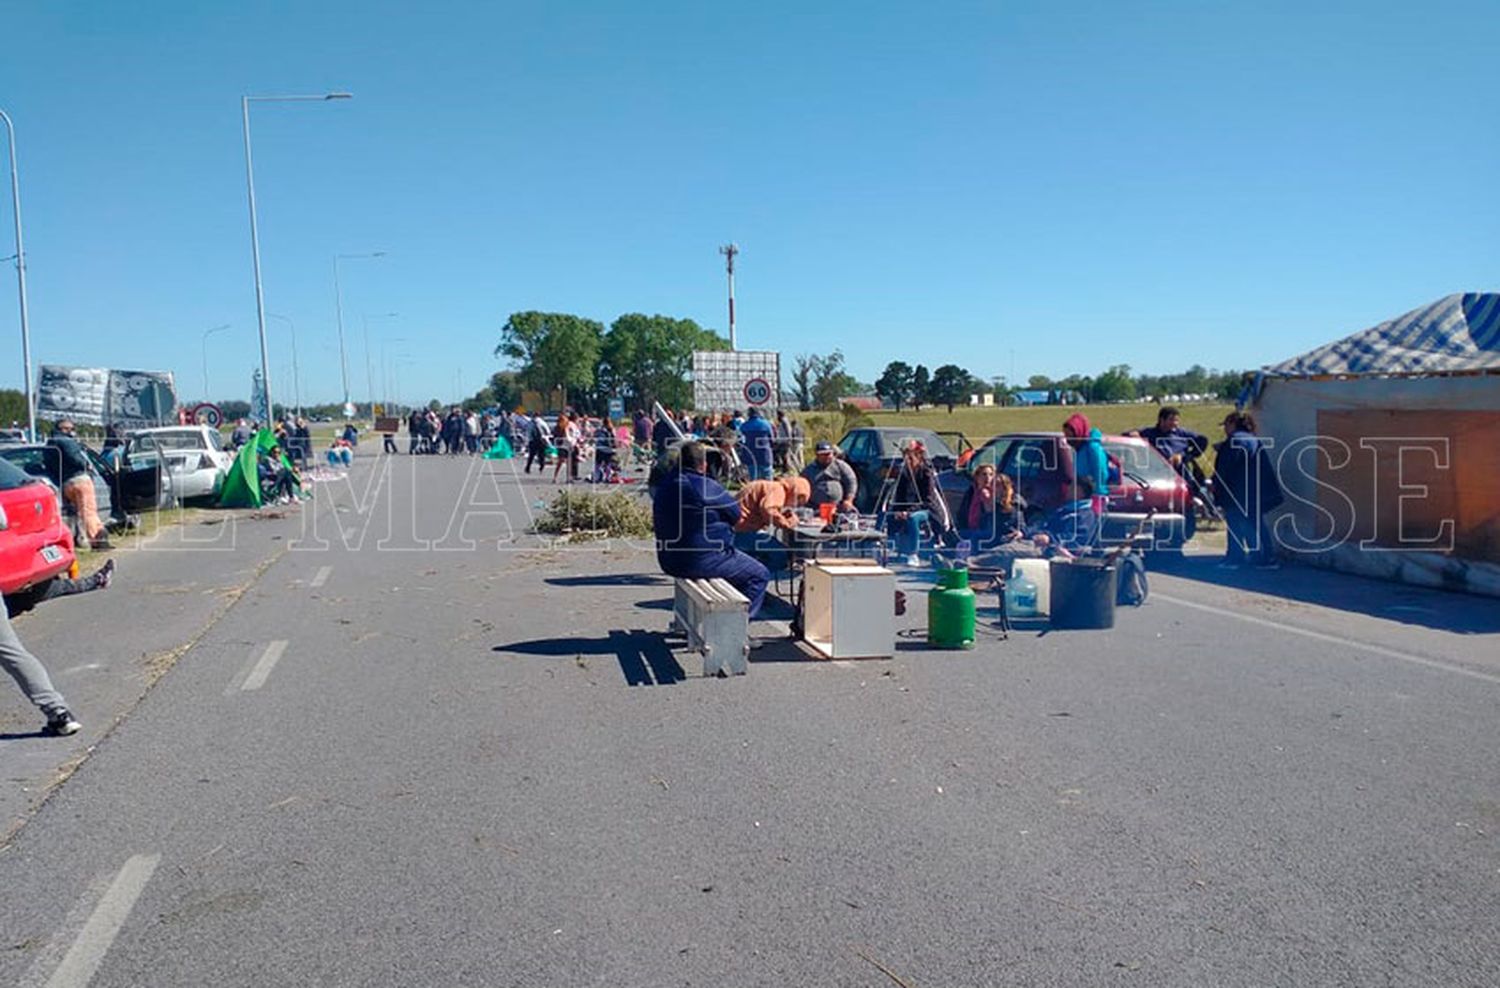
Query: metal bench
x=715 y=617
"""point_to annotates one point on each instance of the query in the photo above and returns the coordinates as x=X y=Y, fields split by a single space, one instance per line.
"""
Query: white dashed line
x=321 y=577
x=268 y=660
x=82 y=960
x=1321 y=636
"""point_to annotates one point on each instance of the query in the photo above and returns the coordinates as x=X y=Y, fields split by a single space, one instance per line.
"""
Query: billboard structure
x=97 y=396
x=736 y=379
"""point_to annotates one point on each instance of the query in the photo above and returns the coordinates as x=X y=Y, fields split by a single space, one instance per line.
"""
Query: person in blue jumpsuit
x=693 y=518
x=755 y=434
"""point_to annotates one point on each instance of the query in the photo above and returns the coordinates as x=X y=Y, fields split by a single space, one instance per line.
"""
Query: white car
x=195 y=458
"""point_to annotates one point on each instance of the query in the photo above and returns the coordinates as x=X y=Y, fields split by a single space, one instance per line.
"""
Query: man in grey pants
x=28 y=672
x=26 y=669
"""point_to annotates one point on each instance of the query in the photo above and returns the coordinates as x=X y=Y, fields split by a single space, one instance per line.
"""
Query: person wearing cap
x=917 y=499
x=832 y=480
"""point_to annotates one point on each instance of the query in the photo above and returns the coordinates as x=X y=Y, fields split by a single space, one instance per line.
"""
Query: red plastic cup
x=825 y=511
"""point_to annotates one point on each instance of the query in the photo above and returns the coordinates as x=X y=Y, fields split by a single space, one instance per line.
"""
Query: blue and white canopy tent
x=1385 y=441
x=1455 y=334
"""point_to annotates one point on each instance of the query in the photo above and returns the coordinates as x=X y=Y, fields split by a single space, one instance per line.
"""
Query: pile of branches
x=585 y=515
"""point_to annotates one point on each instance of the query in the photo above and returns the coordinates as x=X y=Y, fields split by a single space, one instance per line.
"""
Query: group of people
x=703 y=531
x=455 y=433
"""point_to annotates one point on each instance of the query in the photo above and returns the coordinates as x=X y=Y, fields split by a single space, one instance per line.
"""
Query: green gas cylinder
x=950 y=610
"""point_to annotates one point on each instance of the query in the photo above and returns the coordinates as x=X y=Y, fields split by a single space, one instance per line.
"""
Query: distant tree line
x=639 y=358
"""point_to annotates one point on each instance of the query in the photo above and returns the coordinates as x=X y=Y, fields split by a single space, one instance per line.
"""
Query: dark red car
x=35 y=545
x=1140 y=480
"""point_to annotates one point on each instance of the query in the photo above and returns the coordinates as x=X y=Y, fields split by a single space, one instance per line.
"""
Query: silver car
x=195 y=458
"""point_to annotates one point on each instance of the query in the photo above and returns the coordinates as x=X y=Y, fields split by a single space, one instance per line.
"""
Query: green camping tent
x=241 y=487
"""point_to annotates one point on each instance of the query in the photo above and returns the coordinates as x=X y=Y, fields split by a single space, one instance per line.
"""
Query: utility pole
x=729 y=251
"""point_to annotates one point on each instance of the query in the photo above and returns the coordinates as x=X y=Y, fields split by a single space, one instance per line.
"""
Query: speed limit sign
x=757 y=391
x=208 y=414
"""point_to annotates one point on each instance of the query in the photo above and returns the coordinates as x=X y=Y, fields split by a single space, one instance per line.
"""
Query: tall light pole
x=338 y=308
x=385 y=376
x=369 y=371
x=730 y=251
x=296 y=373
x=206 y=334
x=15 y=199
x=260 y=299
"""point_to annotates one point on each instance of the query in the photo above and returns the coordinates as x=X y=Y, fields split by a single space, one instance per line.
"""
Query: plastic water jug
x=1038 y=571
x=1021 y=596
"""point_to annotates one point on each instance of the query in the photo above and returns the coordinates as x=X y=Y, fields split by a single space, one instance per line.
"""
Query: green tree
x=895 y=383
x=504 y=390
x=553 y=350
x=921 y=386
x=950 y=386
x=1114 y=384
x=804 y=372
x=831 y=382
x=12 y=407
x=650 y=358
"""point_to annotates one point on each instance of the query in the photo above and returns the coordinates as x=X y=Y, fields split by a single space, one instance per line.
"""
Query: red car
x=1141 y=481
x=35 y=545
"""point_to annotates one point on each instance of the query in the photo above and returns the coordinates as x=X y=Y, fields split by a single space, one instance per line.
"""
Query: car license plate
x=51 y=553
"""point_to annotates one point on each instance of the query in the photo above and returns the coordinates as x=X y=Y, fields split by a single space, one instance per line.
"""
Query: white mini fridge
x=849 y=609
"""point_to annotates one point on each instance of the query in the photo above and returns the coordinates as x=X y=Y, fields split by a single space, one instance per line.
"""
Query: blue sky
x=1044 y=188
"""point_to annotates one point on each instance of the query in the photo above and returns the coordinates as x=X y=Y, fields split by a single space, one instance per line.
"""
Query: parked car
x=875 y=454
x=195 y=457
x=44 y=461
x=35 y=545
x=1141 y=482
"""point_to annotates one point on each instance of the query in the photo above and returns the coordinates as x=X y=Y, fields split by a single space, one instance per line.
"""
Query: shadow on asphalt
x=612 y=580
x=1442 y=610
x=645 y=657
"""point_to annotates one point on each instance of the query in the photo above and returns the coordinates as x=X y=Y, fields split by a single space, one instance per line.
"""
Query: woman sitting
x=988 y=515
x=917 y=499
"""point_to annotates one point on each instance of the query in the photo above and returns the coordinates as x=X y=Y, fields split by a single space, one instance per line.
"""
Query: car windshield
x=991 y=453
x=12 y=476
x=891 y=441
x=170 y=441
x=1139 y=460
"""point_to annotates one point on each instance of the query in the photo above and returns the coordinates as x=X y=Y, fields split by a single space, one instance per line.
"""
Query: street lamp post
x=296 y=374
x=206 y=334
x=338 y=308
x=260 y=300
x=15 y=198
x=369 y=370
x=385 y=376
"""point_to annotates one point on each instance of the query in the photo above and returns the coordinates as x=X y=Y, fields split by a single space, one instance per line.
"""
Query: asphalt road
x=418 y=748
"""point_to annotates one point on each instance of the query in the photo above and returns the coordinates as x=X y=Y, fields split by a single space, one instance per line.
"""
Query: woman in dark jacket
x=917 y=498
x=988 y=515
x=1245 y=488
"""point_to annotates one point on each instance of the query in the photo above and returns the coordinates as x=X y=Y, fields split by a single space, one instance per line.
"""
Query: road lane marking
x=1322 y=636
x=82 y=960
x=268 y=660
x=321 y=577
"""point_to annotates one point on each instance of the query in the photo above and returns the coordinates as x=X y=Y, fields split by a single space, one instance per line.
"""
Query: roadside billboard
x=98 y=396
x=736 y=379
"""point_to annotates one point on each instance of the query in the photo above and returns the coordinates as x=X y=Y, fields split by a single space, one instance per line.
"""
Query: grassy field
x=979 y=424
